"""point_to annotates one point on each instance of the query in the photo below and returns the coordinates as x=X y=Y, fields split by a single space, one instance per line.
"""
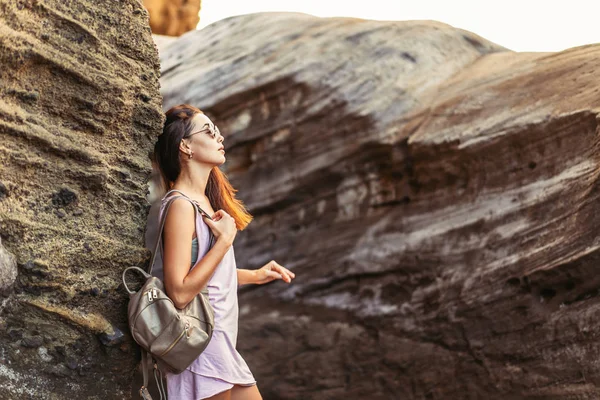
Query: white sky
x=524 y=25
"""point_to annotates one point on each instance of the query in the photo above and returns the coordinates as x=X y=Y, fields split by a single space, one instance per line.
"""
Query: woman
x=188 y=154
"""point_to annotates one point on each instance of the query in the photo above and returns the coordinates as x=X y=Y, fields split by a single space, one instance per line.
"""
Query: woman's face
x=205 y=141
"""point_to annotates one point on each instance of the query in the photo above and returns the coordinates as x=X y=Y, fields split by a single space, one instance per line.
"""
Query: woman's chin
x=217 y=163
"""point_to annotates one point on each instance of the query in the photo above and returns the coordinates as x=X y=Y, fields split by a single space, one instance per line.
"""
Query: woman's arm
x=181 y=284
x=246 y=276
x=267 y=273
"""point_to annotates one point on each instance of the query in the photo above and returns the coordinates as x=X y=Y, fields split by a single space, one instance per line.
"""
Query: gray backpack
x=170 y=338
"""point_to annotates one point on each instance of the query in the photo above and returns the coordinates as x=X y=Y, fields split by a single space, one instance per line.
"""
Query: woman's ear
x=183 y=146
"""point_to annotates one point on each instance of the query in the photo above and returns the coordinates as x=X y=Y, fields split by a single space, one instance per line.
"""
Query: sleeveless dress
x=219 y=366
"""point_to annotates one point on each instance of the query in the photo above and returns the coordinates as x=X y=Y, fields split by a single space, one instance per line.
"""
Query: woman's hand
x=271 y=271
x=223 y=226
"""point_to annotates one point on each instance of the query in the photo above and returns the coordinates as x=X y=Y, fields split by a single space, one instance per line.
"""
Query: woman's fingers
x=286 y=274
x=274 y=274
x=269 y=275
x=290 y=273
x=286 y=271
x=210 y=223
x=221 y=214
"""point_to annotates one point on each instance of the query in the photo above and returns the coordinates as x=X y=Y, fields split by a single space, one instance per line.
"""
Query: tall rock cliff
x=434 y=193
x=80 y=109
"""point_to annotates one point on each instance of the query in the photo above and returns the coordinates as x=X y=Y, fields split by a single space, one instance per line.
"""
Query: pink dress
x=219 y=366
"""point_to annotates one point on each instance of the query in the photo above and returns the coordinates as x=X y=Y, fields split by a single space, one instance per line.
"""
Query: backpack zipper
x=184 y=332
x=148 y=305
x=151 y=293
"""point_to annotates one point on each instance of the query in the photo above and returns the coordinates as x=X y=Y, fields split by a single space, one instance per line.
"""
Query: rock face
x=80 y=109
x=434 y=193
x=162 y=41
x=173 y=17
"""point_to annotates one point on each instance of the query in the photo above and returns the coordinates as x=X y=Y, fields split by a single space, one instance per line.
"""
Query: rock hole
x=570 y=285
x=64 y=197
x=367 y=293
x=409 y=57
x=514 y=281
x=526 y=284
x=547 y=293
x=521 y=310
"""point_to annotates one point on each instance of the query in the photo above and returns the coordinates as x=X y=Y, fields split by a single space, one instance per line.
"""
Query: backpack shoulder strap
x=163 y=218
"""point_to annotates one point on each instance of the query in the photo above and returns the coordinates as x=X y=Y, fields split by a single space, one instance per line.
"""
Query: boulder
x=434 y=192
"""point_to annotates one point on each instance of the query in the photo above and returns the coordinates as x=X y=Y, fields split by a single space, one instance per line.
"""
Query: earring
x=191 y=154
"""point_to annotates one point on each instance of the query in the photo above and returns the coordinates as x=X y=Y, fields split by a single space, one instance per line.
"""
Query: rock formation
x=434 y=193
x=162 y=41
x=80 y=109
x=173 y=17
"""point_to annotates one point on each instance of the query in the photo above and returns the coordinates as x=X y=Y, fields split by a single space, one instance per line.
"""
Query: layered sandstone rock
x=80 y=109
x=434 y=193
x=173 y=17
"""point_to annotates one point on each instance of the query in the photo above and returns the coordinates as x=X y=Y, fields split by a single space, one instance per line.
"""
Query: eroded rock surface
x=79 y=111
x=435 y=194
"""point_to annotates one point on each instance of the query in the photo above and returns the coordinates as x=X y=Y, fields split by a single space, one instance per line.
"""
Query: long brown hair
x=166 y=157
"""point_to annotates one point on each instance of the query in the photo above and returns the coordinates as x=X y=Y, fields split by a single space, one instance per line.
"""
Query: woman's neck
x=192 y=184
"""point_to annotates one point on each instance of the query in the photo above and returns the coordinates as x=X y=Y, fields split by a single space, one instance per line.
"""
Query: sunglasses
x=211 y=130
